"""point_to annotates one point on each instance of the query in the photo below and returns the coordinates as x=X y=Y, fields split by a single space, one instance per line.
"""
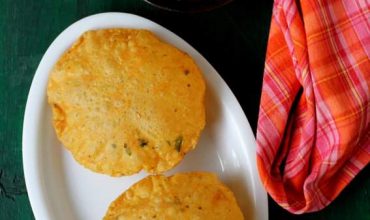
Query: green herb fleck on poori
x=178 y=143
x=127 y=149
x=143 y=142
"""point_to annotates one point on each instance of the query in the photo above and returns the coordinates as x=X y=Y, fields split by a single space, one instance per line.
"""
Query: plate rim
x=34 y=103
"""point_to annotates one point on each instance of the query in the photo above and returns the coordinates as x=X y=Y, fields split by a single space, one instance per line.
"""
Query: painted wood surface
x=232 y=38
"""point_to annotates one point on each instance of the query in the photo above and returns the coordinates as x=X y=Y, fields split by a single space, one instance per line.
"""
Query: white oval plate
x=59 y=188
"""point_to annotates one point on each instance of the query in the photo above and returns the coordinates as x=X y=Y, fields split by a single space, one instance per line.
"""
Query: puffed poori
x=185 y=196
x=123 y=100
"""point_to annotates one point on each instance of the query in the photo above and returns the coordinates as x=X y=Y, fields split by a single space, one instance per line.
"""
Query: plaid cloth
x=313 y=131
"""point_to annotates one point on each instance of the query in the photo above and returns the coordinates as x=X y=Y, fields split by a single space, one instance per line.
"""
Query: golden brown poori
x=183 y=196
x=123 y=100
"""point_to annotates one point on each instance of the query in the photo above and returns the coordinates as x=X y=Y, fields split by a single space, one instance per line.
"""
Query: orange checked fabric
x=313 y=131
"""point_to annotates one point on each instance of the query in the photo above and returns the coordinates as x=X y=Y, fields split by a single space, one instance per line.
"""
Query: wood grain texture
x=232 y=38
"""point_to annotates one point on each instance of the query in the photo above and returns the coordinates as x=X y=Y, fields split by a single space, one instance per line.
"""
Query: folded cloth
x=313 y=130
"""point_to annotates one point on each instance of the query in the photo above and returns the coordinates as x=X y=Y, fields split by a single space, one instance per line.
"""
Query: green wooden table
x=232 y=38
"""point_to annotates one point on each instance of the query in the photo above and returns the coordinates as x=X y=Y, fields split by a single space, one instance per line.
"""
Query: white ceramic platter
x=59 y=188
